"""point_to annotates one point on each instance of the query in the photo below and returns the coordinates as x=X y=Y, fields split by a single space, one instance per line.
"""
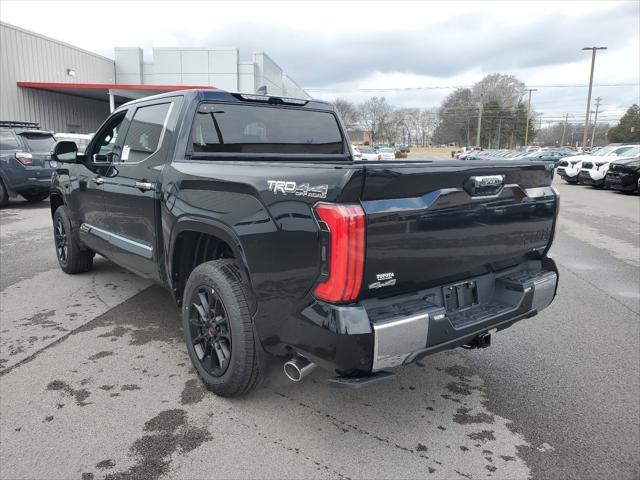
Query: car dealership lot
x=95 y=380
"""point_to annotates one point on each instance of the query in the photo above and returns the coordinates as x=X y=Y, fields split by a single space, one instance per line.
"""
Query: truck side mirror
x=65 y=151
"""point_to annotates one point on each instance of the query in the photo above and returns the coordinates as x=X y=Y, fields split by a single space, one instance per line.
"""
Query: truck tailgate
x=429 y=224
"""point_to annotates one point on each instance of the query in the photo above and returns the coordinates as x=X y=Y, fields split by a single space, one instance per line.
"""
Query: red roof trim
x=112 y=86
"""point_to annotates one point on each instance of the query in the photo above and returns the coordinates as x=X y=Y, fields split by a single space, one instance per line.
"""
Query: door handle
x=98 y=180
x=144 y=186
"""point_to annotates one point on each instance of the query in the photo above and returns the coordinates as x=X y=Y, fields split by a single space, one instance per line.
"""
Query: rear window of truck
x=225 y=128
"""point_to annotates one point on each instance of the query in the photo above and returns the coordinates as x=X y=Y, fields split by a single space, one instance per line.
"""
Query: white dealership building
x=67 y=89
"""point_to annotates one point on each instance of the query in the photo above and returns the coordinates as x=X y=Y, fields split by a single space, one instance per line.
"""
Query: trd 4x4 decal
x=292 y=188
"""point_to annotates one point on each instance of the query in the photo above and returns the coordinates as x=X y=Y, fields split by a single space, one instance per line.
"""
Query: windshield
x=604 y=151
x=366 y=150
x=629 y=152
x=224 y=128
x=386 y=150
x=39 y=143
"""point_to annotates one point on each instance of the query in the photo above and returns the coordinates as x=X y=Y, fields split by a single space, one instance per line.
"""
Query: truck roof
x=223 y=95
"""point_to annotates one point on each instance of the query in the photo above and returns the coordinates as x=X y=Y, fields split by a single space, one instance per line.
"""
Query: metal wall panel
x=29 y=57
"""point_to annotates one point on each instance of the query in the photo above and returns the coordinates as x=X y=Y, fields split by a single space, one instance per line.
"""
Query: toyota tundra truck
x=279 y=246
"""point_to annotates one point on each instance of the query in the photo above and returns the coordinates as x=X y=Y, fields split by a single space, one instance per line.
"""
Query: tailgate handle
x=484 y=185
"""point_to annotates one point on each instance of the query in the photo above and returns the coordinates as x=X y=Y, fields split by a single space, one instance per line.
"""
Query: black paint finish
x=420 y=224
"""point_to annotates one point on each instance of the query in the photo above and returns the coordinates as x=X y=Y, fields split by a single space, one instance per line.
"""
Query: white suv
x=569 y=167
x=594 y=170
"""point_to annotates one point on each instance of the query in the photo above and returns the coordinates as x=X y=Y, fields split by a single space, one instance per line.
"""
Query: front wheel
x=219 y=331
x=71 y=258
x=35 y=197
x=4 y=195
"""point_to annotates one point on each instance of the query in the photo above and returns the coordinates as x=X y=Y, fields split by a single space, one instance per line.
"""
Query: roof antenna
x=262 y=90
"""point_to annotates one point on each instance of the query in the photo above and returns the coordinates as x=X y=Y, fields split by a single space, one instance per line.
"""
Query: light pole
x=526 y=132
x=595 y=121
x=586 y=117
x=564 y=128
x=479 y=122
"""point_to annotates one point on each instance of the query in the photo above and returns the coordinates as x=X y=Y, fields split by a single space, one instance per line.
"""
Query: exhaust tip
x=292 y=371
x=297 y=368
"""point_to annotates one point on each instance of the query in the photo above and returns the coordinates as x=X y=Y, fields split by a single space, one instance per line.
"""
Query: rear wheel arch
x=194 y=242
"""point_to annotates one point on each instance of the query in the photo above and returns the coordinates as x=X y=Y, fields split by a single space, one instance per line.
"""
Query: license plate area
x=460 y=295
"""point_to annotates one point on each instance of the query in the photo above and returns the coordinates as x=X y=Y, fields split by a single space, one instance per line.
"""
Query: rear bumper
x=504 y=299
x=378 y=334
x=30 y=179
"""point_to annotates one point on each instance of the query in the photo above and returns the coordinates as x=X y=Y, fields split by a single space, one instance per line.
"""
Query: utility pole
x=564 y=128
x=479 y=123
x=499 y=127
x=595 y=121
x=586 y=117
x=526 y=132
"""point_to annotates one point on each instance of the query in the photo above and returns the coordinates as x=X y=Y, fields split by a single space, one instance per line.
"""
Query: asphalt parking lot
x=95 y=381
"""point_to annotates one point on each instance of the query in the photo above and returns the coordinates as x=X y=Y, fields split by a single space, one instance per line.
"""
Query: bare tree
x=505 y=90
x=375 y=118
x=348 y=113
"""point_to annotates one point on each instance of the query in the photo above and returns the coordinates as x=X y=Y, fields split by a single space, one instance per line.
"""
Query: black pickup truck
x=276 y=243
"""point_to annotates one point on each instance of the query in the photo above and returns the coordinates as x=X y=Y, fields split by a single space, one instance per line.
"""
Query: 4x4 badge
x=285 y=187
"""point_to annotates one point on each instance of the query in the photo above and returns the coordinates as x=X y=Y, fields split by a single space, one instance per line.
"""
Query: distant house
x=359 y=137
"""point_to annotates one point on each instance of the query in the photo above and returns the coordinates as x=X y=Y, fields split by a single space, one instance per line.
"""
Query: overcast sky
x=342 y=48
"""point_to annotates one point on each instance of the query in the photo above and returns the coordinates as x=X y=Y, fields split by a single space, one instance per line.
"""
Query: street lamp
x=586 y=118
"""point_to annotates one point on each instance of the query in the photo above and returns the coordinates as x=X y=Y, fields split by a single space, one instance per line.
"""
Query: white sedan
x=369 y=153
x=387 y=153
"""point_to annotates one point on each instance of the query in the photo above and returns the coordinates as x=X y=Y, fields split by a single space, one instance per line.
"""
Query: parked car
x=24 y=161
x=369 y=153
x=549 y=155
x=357 y=154
x=593 y=171
x=569 y=168
x=387 y=153
x=624 y=175
x=250 y=210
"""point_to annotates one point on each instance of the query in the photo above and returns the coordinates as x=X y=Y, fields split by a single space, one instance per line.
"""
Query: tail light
x=24 y=158
x=344 y=225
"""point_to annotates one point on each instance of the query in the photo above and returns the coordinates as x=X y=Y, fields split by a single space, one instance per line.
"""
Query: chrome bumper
x=514 y=296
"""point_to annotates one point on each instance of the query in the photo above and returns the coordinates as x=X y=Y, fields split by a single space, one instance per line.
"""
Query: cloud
x=347 y=46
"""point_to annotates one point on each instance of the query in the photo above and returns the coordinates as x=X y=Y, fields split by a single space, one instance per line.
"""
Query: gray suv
x=25 y=154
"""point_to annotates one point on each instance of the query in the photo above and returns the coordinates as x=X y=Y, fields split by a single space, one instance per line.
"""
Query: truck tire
x=219 y=331
x=71 y=258
x=35 y=197
x=4 y=195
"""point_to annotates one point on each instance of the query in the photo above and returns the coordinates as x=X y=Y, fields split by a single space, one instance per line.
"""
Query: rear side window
x=145 y=132
x=8 y=141
x=39 y=143
x=222 y=128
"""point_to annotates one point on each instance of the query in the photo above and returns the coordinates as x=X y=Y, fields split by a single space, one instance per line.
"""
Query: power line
x=453 y=87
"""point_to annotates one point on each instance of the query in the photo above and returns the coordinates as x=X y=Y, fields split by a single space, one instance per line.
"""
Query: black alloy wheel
x=210 y=330
x=62 y=245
